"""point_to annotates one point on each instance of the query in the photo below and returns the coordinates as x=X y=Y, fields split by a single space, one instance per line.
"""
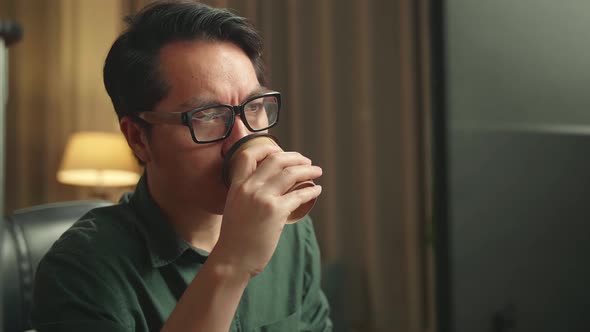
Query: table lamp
x=99 y=160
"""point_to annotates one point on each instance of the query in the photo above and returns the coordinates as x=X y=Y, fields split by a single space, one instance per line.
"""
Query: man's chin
x=218 y=205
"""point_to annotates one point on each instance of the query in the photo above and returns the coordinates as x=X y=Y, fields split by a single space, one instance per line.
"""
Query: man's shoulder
x=109 y=231
x=296 y=237
x=83 y=278
x=301 y=231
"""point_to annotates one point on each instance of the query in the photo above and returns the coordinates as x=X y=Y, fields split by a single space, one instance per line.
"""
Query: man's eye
x=254 y=107
x=207 y=116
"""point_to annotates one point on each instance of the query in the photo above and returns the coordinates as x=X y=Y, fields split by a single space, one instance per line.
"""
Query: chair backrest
x=28 y=235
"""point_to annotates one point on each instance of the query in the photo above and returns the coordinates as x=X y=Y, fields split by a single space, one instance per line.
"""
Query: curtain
x=355 y=79
x=354 y=76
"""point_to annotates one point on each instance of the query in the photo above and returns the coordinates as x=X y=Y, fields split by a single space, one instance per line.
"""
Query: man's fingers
x=276 y=163
x=245 y=162
x=288 y=177
x=291 y=201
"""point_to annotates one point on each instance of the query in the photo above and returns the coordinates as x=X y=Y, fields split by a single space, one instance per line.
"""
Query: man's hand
x=258 y=205
x=256 y=210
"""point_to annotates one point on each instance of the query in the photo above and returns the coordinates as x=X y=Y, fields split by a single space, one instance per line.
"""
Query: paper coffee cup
x=256 y=139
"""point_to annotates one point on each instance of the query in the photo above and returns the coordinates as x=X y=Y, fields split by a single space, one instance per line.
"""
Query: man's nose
x=238 y=131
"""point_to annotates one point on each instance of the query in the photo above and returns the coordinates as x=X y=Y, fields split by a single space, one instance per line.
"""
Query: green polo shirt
x=123 y=268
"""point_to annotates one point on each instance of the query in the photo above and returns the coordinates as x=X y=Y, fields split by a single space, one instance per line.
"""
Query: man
x=184 y=253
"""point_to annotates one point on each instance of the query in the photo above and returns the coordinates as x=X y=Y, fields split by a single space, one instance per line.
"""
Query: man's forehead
x=209 y=99
x=202 y=73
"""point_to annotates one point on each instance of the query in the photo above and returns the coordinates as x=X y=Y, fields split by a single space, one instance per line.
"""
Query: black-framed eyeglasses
x=214 y=123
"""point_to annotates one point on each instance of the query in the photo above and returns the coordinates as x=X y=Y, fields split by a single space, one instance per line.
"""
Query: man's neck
x=198 y=227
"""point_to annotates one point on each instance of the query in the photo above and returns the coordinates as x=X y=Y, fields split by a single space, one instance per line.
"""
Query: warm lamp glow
x=98 y=159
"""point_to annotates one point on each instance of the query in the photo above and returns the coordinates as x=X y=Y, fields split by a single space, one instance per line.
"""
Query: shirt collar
x=163 y=243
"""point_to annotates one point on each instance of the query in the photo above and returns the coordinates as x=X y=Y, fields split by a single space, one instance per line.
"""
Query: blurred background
x=451 y=127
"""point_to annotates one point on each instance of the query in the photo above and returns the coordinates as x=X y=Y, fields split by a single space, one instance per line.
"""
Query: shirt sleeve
x=315 y=315
x=72 y=294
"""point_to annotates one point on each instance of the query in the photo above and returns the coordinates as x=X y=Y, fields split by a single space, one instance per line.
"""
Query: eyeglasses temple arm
x=158 y=117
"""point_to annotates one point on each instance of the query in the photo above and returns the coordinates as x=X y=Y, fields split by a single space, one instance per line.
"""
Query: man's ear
x=136 y=138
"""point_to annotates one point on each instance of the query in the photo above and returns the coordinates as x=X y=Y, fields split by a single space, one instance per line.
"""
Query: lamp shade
x=98 y=159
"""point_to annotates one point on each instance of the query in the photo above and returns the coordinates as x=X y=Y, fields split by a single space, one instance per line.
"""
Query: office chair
x=28 y=235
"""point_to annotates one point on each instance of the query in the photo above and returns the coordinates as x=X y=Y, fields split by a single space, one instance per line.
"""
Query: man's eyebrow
x=200 y=101
x=197 y=102
x=258 y=91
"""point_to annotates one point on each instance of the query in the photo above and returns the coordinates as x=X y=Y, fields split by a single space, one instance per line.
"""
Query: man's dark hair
x=131 y=75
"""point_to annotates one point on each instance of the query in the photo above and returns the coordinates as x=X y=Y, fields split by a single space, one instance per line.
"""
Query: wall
x=518 y=147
